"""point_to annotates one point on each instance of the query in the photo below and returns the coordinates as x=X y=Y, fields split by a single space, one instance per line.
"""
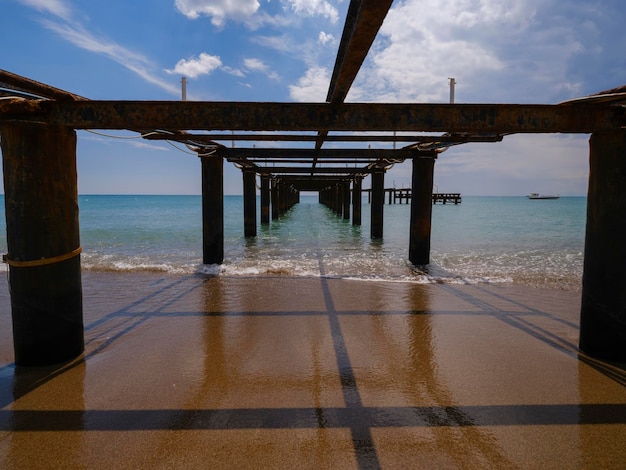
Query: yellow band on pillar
x=41 y=262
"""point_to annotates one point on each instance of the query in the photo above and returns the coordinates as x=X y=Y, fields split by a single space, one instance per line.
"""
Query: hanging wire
x=115 y=136
x=193 y=150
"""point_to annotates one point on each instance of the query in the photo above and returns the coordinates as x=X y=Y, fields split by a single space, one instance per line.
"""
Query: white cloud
x=282 y=43
x=313 y=86
x=518 y=165
x=218 y=10
x=144 y=145
x=257 y=65
x=232 y=71
x=498 y=51
x=56 y=7
x=325 y=38
x=314 y=8
x=204 y=64
x=76 y=34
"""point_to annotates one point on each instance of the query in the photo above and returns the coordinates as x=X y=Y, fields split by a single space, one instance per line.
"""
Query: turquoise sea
x=483 y=239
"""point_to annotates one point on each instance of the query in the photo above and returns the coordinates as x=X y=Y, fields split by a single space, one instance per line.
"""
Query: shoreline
x=279 y=371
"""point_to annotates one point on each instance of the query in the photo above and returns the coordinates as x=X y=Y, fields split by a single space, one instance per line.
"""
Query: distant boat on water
x=542 y=196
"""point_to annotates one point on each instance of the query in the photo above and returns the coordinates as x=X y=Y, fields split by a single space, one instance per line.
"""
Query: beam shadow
x=308 y=418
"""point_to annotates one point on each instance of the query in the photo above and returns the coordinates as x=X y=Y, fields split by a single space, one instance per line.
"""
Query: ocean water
x=483 y=239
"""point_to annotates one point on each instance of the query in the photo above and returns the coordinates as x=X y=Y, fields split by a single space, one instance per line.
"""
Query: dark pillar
x=346 y=199
x=603 y=311
x=265 y=199
x=249 y=203
x=378 y=202
x=275 y=200
x=356 y=202
x=338 y=200
x=421 y=209
x=283 y=194
x=43 y=238
x=212 y=210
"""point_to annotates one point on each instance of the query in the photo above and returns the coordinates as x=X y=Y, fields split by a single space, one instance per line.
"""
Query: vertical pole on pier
x=43 y=239
x=378 y=203
x=212 y=209
x=249 y=203
x=265 y=199
x=421 y=209
x=346 y=199
x=356 y=202
x=603 y=309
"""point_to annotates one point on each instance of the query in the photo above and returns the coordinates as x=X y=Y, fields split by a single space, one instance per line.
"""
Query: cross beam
x=251 y=116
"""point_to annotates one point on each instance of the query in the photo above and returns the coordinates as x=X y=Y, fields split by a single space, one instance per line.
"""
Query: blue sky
x=499 y=51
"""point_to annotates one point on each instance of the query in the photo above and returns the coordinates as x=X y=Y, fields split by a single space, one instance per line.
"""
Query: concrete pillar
x=43 y=238
x=249 y=203
x=378 y=203
x=603 y=310
x=356 y=202
x=265 y=199
x=212 y=210
x=421 y=209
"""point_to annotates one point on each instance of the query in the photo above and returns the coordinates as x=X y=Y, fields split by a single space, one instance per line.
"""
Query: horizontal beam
x=237 y=153
x=210 y=138
x=324 y=161
x=189 y=115
x=269 y=170
x=27 y=86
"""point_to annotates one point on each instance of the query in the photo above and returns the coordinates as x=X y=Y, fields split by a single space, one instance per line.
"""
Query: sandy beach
x=295 y=372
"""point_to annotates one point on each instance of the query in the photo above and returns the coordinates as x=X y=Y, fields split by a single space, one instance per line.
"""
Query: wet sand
x=286 y=372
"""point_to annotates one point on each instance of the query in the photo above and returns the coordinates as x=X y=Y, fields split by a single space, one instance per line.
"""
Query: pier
x=403 y=196
x=38 y=125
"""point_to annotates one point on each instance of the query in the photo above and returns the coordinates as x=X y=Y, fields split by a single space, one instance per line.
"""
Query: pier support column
x=346 y=199
x=249 y=203
x=275 y=200
x=356 y=202
x=421 y=209
x=338 y=200
x=282 y=194
x=212 y=210
x=378 y=203
x=265 y=199
x=43 y=239
x=603 y=310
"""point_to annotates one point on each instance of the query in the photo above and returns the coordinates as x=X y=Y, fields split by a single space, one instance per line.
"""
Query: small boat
x=542 y=196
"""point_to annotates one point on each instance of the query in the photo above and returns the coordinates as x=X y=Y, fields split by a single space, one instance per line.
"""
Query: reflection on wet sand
x=279 y=372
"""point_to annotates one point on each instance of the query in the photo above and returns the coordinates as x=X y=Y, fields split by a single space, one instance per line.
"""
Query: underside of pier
x=333 y=148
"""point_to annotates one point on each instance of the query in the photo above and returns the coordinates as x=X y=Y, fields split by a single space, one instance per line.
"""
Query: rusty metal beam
x=232 y=153
x=25 y=85
x=211 y=138
x=471 y=118
x=306 y=170
x=314 y=183
x=292 y=161
x=363 y=21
